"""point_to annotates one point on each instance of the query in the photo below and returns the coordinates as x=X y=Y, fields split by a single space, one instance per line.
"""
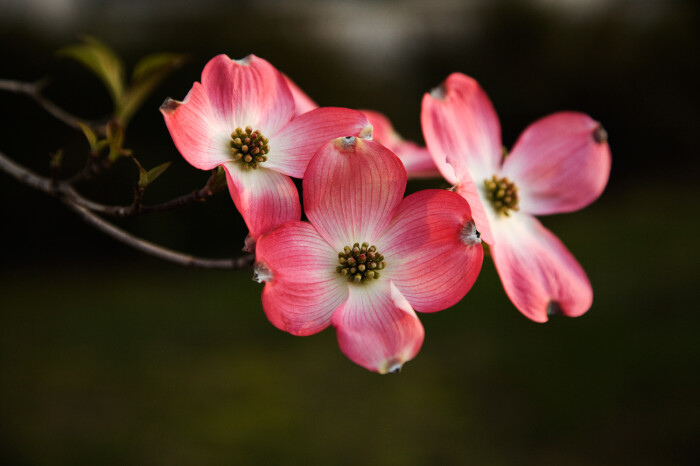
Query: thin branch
x=199 y=195
x=84 y=207
x=133 y=210
x=26 y=176
x=155 y=250
x=91 y=168
x=33 y=90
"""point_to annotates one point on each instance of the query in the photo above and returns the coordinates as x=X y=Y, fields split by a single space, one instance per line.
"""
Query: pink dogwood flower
x=241 y=117
x=560 y=163
x=368 y=259
x=416 y=159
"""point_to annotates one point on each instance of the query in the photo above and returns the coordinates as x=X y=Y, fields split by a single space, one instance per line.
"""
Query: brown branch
x=26 y=176
x=33 y=90
x=199 y=195
x=154 y=249
x=84 y=208
x=92 y=167
x=135 y=209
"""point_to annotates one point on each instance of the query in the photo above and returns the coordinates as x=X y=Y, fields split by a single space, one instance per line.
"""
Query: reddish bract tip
x=249 y=244
x=392 y=367
x=554 y=309
x=245 y=61
x=346 y=143
x=261 y=272
x=600 y=135
x=170 y=105
x=470 y=235
x=367 y=132
x=439 y=92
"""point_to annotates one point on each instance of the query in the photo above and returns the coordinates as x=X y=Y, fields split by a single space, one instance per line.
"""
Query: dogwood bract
x=416 y=159
x=241 y=117
x=560 y=163
x=368 y=259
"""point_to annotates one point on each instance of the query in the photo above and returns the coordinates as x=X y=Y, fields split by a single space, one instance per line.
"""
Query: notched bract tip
x=470 y=235
x=367 y=132
x=439 y=92
x=245 y=61
x=600 y=135
x=554 y=309
x=170 y=105
x=249 y=244
x=393 y=367
x=261 y=272
x=347 y=142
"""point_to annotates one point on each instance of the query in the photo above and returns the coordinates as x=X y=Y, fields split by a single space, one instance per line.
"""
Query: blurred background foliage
x=110 y=357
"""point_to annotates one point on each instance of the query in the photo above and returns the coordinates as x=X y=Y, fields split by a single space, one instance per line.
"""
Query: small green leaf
x=153 y=173
x=89 y=135
x=101 y=144
x=115 y=133
x=102 y=61
x=56 y=159
x=148 y=73
x=147 y=177
x=115 y=137
x=143 y=173
x=156 y=63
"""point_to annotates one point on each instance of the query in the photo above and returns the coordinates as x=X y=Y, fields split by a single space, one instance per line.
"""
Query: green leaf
x=102 y=61
x=147 y=177
x=101 y=144
x=152 y=174
x=143 y=173
x=148 y=73
x=90 y=136
x=56 y=159
x=115 y=137
x=156 y=63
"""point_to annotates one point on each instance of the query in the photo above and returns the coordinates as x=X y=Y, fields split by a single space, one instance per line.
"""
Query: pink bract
x=249 y=98
x=421 y=253
x=560 y=163
x=416 y=159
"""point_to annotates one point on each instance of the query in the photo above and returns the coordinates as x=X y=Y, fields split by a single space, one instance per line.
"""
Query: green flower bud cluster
x=502 y=193
x=360 y=263
x=249 y=147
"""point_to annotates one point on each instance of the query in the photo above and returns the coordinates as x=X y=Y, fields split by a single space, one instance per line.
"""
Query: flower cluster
x=369 y=258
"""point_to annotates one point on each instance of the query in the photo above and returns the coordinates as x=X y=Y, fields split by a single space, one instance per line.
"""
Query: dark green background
x=110 y=357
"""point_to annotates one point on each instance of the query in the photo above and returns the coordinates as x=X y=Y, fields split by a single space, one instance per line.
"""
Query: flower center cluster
x=249 y=147
x=360 y=263
x=502 y=193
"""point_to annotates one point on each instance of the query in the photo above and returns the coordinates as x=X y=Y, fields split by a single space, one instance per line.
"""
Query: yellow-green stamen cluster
x=360 y=263
x=502 y=193
x=249 y=147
